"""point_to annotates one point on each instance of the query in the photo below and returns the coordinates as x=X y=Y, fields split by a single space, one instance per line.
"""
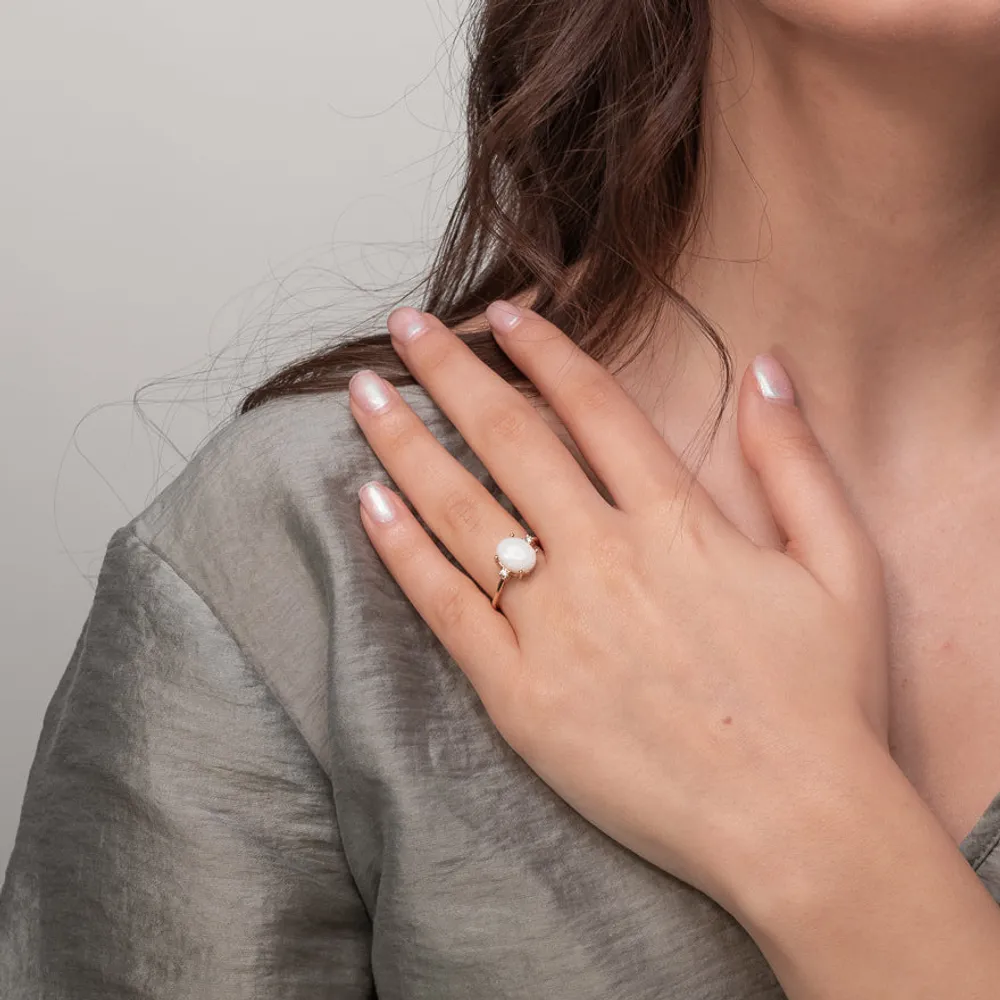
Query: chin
x=926 y=21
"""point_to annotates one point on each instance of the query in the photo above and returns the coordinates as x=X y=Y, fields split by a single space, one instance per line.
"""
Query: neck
x=851 y=228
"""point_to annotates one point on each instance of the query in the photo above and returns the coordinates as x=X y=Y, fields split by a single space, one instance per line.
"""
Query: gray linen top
x=262 y=776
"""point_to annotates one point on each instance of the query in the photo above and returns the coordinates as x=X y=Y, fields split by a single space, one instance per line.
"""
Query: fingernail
x=503 y=315
x=369 y=391
x=772 y=379
x=406 y=323
x=376 y=501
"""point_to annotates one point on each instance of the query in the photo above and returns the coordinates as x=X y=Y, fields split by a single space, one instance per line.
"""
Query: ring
x=515 y=557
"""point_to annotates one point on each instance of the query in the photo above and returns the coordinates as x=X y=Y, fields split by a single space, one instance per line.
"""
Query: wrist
x=869 y=896
x=833 y=832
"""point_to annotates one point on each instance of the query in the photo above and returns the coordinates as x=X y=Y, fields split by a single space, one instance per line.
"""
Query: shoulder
x=263 y=524
x=294 y=453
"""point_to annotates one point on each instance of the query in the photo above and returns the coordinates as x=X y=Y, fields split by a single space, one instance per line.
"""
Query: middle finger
x=523 y=454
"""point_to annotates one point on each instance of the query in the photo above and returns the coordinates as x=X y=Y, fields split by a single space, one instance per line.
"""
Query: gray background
x=188 y=189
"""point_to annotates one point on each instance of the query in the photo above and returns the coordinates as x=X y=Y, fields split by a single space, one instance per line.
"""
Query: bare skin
x=874 y=277
x=879 y=289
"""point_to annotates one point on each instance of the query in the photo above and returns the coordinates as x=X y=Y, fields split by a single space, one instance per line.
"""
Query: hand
x=694 y=695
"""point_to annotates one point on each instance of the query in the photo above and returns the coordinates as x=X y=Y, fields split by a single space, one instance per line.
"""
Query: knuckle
x=404 y=547
x=594 y=393
x=610 y=555
x=696 y=530
x=687 y=520
x=799 y=445
x=505 y=423
x=462 y=512
x=397 y=435
x=450 y=607
x=432 y=353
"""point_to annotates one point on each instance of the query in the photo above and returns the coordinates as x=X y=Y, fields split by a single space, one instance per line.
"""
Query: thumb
x=808 y=502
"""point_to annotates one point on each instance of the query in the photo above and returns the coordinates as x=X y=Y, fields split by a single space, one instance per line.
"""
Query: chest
x=944 y=727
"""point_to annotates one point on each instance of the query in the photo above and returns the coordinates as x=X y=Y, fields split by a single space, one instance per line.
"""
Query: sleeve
x=177 y=838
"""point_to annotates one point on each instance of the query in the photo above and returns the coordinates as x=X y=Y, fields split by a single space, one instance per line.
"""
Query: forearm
x=875 y=903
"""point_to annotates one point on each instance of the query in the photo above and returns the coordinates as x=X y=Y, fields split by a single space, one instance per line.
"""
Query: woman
x=725 y=729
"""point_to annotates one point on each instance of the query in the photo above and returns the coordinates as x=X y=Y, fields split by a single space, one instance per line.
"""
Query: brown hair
x=580 y=189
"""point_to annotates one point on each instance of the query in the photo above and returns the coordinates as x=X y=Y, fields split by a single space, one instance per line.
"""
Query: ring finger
x=452 y=502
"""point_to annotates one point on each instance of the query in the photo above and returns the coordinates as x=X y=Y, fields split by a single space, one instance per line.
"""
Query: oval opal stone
x=516 y=555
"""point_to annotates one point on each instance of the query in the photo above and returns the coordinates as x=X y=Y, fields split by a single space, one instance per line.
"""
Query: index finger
x=617 y=439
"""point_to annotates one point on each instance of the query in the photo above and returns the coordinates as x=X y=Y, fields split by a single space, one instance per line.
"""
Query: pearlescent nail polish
x=503 y=315
x=406 y=323
x=369 y=391
x=772 y=379
x=376 y=502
